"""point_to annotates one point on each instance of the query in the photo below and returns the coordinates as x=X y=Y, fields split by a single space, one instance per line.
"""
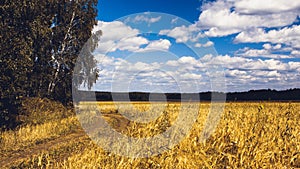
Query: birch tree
x=40 y=42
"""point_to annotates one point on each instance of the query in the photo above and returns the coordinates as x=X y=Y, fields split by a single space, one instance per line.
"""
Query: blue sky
x=110 y=10
x=221 y=45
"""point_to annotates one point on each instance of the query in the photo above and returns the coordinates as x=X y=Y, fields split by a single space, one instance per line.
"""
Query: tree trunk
x=53 y=82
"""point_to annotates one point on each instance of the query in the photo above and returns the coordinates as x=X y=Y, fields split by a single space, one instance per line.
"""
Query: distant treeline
x=252 y=95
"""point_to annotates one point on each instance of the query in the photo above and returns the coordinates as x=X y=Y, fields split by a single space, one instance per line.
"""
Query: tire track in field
x=15 y=156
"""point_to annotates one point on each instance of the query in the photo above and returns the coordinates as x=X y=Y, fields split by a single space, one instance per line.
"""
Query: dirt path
x=14 y=157
x=21 y=155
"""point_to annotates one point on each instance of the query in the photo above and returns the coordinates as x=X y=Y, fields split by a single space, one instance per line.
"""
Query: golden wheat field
x=248 y=135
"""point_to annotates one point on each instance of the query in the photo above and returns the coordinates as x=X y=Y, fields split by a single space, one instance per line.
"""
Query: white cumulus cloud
x=266 y=6
x=119 y=36
x=186 y=73
x=157 y=45
x=287 y=35
x=225 y=17
x=183 y=33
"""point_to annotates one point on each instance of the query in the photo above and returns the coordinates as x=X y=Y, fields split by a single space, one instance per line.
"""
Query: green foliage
x=40 y=42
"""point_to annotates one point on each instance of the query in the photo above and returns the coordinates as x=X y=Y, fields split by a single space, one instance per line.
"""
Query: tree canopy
x=40 y=42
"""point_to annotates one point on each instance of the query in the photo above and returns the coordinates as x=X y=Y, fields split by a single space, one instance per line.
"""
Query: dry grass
x=249 y=135
x=31 y=135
